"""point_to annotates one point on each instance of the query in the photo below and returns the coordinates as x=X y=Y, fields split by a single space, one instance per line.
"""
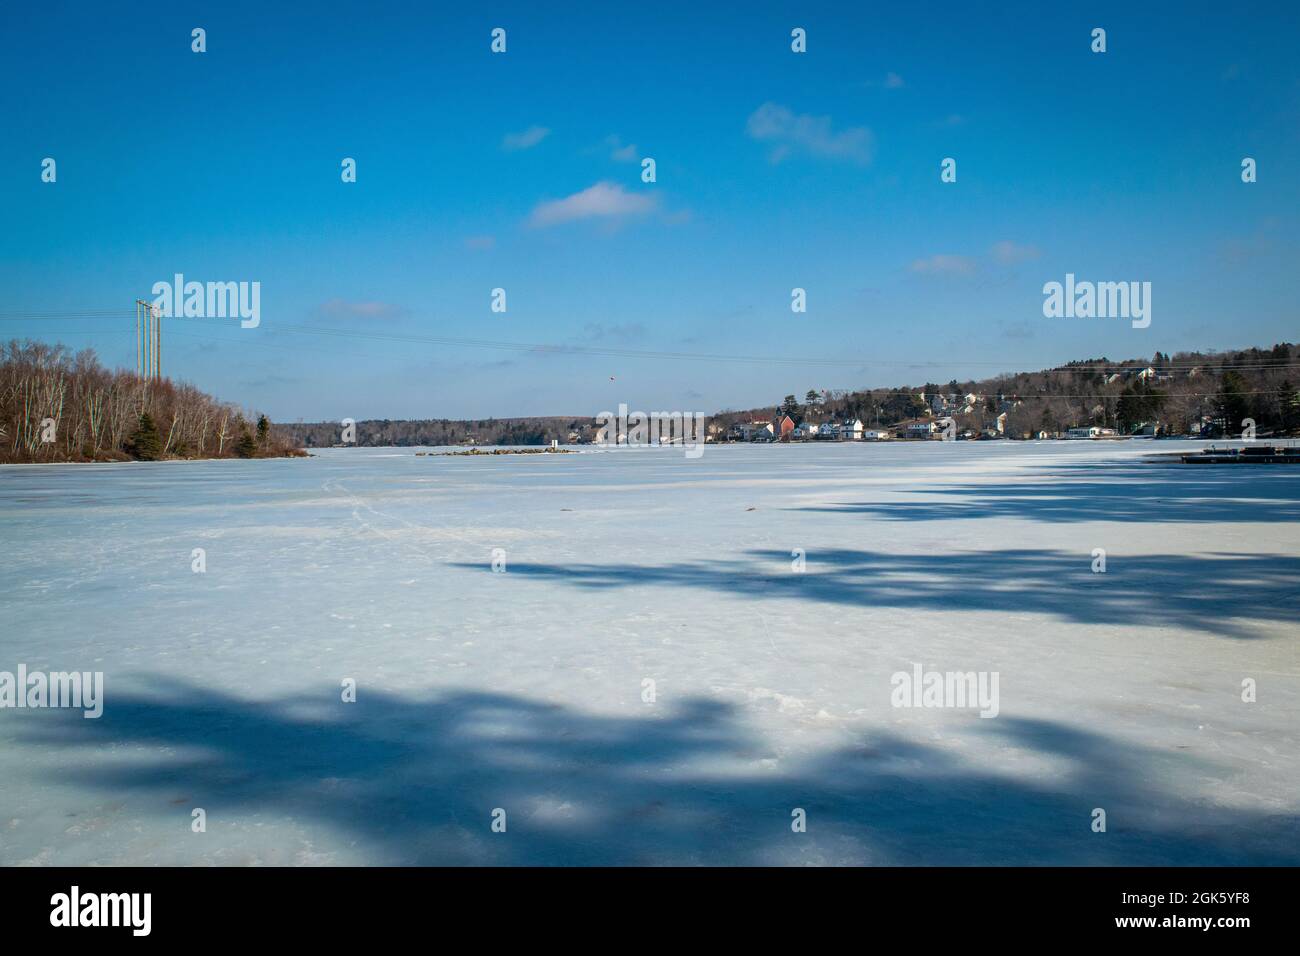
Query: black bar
x=981 y=906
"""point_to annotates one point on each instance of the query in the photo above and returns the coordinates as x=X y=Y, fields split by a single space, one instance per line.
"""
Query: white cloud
x=480 y=242
x=618 y=151
x=525 y=140
x=790 y=132
x=893 y=81
x=1009 y=253
x=945 y=265
x=604 y=200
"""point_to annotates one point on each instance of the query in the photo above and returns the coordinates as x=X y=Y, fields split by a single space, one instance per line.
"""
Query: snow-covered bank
x=523 y=690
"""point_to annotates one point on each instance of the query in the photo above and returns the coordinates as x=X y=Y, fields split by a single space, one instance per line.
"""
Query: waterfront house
x=920 y=429
x=804 y=431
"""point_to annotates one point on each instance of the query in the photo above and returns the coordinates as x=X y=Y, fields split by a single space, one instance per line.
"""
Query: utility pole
x=148 y=340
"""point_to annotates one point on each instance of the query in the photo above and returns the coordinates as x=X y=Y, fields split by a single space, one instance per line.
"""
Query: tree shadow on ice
x=415 y=781
x=1217 y=594
x=1108 y=492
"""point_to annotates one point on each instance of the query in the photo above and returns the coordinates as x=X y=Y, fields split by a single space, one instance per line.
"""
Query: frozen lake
x=526 y=690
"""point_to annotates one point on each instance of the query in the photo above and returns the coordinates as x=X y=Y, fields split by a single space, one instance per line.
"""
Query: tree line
x=444 y=431
x=59 y=406
x=1206 y=393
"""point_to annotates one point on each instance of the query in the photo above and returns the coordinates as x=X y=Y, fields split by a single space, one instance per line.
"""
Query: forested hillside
x=57 y=406
x=1179 y=394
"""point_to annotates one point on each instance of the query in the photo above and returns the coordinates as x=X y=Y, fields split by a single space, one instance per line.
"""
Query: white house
x=875 y=434
x=804 y=431
x=1090 y=432
x=850 y=429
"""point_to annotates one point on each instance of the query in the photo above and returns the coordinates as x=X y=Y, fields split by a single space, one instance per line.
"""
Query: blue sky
x=521 y=171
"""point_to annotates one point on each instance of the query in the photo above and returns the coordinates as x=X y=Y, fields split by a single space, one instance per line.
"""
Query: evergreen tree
x=1289 y=406
x=263 y=430
x=146 y=444
x=1232 y=402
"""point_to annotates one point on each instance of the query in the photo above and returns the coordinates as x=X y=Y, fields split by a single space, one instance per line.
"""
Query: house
x=804 y=431
x=876 y=434
x=751 y=431
x=850 y=429
x=783 y=427
x=921 y=429
x=1002 y=424
x=1146 y=373
x=1091 y=431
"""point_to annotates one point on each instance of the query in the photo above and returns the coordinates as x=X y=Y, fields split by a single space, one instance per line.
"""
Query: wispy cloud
x=480 y=243
x=1008 y=253
x=525 y=140
x=342 y=309
x=620 y=151
x=270 y=381
x=790 y=132
x=890 y=81
x=623 y=332
x=604 y=200
x=945 y=265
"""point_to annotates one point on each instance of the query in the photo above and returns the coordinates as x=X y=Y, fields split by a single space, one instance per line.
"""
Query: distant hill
x=1183 y=393
x=1188 y=392
x=443 y=431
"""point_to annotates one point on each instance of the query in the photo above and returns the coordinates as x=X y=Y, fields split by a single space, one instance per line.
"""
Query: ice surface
x=522 y=690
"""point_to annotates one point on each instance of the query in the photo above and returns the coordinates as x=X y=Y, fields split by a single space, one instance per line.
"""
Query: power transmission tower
x=148 y=340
